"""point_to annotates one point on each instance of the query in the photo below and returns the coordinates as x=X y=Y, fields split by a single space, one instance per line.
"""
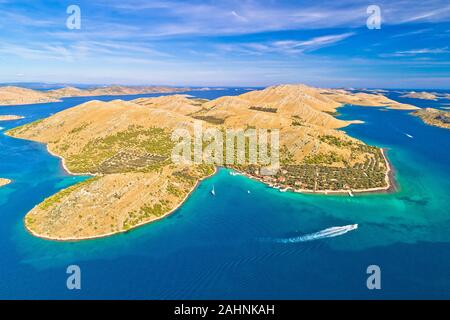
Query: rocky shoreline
x=389 y=188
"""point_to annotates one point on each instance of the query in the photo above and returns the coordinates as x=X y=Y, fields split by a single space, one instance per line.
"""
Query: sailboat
x=213 y=191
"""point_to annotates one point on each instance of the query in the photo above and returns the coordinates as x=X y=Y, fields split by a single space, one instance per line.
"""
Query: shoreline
x=124 y=231
x=66 y=169
x=10 y=117
x=64 y=166
x=28 y=103
x=389 y=177
x=57 y=99
x=391 y=186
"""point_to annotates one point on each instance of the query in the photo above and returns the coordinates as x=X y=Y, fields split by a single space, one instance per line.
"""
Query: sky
x=227 y=43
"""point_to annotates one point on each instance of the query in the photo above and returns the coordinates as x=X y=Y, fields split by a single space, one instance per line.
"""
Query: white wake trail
x=326 y=233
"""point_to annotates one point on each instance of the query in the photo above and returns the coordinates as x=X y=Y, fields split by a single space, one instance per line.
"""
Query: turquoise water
x=227 y=246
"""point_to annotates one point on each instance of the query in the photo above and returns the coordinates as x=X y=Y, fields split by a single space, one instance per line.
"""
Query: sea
x=248 y=241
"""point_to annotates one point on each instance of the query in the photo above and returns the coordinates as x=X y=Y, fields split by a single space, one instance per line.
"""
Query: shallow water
x=211 y=247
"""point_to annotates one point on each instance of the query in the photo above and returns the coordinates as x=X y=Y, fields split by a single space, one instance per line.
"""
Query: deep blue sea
x=228 y=246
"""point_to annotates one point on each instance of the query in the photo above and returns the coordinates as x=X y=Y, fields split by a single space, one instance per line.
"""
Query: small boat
x=213 y=191
x=409 y=136
x=248 y=191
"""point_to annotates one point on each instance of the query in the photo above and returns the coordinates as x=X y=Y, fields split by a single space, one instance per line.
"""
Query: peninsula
x=11 y=95
x=126 y=148
x=434 y=117
x=20 y=96
x=366 y=99
x=10 y=117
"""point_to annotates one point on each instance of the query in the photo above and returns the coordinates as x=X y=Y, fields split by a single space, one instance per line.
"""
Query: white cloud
x=81 y=50
x=235 y=14
x=234 y=17
x=415 y=52
x=289 y=47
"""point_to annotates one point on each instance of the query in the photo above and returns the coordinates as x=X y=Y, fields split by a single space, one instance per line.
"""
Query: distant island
x=434 y=117
x=10 y=117
x=4 y=182
x=366 y=99
x=126 y=146
x=10 y=95
x=420 y=95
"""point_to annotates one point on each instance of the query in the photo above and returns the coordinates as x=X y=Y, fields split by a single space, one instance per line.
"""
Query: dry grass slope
x=126 y=146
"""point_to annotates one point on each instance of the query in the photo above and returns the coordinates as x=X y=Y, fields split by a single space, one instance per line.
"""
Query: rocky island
x=125 y=147
x=420 y=95
x=11 y=95
x=434 y=117
x=10 y=117
x=4 y=182
x=19 y=96
x=366 y=99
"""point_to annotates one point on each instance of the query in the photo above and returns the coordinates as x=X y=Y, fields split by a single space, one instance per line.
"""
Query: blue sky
x=227 y=43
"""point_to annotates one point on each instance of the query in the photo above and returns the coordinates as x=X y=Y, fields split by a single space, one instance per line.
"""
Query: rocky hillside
x=366 y=99
x=434 y=117
x=421 y=95
x=126 y=146
x=17 y=96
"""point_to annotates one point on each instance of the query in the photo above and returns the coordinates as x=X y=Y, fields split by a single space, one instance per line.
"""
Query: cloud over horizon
x=231 y=42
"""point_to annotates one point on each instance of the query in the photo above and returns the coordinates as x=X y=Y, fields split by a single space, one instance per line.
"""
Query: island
x=420 y=95
x=4 y=182
x=10 y=117
x=125 y=147
x=366 y=99
x=10 y=95
x=434 y=117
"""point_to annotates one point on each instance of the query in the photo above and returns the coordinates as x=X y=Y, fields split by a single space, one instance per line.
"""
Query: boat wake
x=326 y=233
x=401 y=131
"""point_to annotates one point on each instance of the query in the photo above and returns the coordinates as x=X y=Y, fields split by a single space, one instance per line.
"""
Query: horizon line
x=64 y=84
